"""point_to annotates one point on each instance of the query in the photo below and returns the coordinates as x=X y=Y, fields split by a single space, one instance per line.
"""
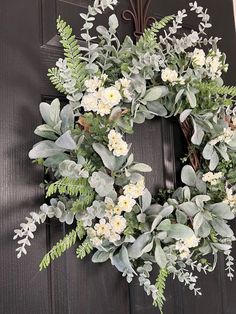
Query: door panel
x=29 y=46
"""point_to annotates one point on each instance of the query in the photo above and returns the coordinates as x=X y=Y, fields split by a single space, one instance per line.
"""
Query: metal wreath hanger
x=139 y=14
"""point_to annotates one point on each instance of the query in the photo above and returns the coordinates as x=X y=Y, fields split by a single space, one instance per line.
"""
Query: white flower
x=103 y=108
x=119 y=146
x=117 y=210
x=114 y=237
x=89 y=102
x=192 y=241
x=102 y=228
x=111 y=96
x=228 y=134
x=127 y=95
x=91 y=232
x=126 y=203
x=134 y=190
x=230 y=197
x=212 y=178
x=199 y=57
x=109 y=204
x=118 y=224
x=168 y=75
x=125 y=83
x=96 y=241
x=92 y=84
x=234 y=121
x=185 y=254
x=214 y=64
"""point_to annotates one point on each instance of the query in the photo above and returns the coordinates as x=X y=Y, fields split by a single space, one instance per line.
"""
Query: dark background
x=28 y=47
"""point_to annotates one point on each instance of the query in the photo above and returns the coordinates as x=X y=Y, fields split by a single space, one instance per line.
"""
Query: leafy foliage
x=56 y=79
x=71 y=187
x=84 y=249
x=149 y=37
x=72 y=56
x=160 y=285
x=63 y=245
x=216 y=89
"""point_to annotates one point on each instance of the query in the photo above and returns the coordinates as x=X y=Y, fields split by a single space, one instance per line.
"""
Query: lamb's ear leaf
x=107 y=157
x=198 y=134
x=160 y=255
x=188 y=176
x=66 y=141
x=44 y=149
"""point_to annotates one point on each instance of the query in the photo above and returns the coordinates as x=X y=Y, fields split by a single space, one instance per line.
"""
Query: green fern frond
x=55 y=79
x=58 y=249
x=72 y=187
x=216 y=89
x=149 y=38
x=160 y=285
x=80 y=230
x=72 y=53
x=84 y=249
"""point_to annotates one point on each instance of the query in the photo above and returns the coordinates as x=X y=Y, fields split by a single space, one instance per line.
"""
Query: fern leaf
x=58 y=249
x=149 y=39
x=55 y=79
x=216 y=89
x=160 y=285
x=69 y=186
x=72 y=53
x=84 y=249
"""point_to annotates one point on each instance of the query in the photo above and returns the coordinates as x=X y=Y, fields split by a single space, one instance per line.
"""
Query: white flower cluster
x=212 y=63
x=230 y=197
x=212 y=178
x=171 y=76
x=100 y=99
x=112 y=222
x=117 y=144
x=226 y=137
x=134 y=190
x=184 y=245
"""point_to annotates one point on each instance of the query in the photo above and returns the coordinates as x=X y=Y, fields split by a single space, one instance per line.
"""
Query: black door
x=29 y=46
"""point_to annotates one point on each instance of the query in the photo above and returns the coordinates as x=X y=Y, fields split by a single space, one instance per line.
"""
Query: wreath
x=94 y=180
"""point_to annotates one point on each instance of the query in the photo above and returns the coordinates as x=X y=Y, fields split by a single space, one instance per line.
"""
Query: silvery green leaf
x=222 y=149
x=103 y=31
x=221 y=246
x=153 y=210
x=92 y=68
x=165 y=225
x=214 y=161
x=100 y=257
x=189 y=208
x=54 y=161
x=67 y=117
x=138 y=247
x=146 y=199
x=107 y=157
x=179 y=95
x=191 y=98
x=156 y=222
x=188 y=176
x=141 y=218
x=200 y=185
x=66 y=141
x=141 y=167
x=184 y=115
x=102 y=183
x=197 y=221
x=221 y=227
x=157 y=108
x=222 y=210
x=160 y=255
x=186 y=193
x=113 y=22
x=129 y=160
x=46 y=131
x=44 y=149
x=167 y=211
x=50 y=113
x=162 y=235
x=208 y=151
x=139 y=118
x=178 y=231
x=155 y=93
x=181 y=217
x=198 y=134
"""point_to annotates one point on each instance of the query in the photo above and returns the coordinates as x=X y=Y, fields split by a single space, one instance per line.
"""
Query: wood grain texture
x=22 y=288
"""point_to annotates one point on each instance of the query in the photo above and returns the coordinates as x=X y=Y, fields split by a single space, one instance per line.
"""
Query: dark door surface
x=28 y=47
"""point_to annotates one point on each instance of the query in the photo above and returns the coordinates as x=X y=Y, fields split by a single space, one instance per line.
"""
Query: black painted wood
x=29 y=46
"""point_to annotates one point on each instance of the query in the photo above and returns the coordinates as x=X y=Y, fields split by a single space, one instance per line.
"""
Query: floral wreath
x=96 y=182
